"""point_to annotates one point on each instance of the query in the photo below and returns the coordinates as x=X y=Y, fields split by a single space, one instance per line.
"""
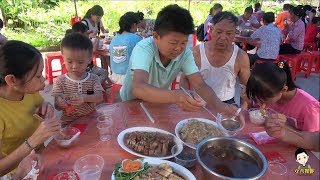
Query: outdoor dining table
x=129 y=114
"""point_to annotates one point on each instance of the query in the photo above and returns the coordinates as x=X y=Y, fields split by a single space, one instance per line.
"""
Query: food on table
x=149 y=143
x=195 y=131
x=162 y=172
x=256 y=117
x=129 y=165
x=263 y=110
x=69 y=110
x=230 y=162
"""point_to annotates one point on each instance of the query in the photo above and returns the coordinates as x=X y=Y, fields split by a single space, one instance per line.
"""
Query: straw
x=147 y=112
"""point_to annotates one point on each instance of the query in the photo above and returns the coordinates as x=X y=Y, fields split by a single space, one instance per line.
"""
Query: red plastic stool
x=293 y=61
x=114 y=88
x=313 y=63
x=49 y=57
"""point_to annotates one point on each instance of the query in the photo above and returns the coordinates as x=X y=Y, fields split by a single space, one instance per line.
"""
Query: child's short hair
x=79 y=27
x=299 y=151
x=77 y=41
x=173 y=18
x=1 y=23
x=18 y=58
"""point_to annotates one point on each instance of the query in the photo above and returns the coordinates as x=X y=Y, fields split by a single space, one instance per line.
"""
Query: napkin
x=262 y=138
x=33 y=173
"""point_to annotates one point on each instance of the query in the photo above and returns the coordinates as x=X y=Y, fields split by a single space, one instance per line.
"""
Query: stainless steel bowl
x=240 y=145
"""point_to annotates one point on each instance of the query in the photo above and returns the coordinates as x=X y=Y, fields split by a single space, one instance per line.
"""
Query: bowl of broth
x=230 y=158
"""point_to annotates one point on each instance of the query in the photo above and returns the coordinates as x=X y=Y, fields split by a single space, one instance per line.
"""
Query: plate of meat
x=149 y=142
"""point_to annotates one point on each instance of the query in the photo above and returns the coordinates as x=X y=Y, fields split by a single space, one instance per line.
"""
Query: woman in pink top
x=272 y=84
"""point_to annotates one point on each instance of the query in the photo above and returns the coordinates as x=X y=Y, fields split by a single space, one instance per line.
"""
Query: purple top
x=296 y=34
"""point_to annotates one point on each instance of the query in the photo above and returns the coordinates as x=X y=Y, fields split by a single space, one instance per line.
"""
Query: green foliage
x=44 y=22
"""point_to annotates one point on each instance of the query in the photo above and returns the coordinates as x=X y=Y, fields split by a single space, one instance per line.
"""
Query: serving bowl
x=230 y=158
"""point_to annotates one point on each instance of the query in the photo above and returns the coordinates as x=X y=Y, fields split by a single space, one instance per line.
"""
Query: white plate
x=183 y=122
x=182 y=171
x=148 y=129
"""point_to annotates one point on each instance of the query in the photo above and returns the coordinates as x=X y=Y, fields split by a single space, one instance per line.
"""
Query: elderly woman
x=295 y=33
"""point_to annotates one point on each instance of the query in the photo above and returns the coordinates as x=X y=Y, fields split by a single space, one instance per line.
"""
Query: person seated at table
x=247 y=20
x=267 y=38
x=312 y=31
x=276 y=127
x=283 y=18
x=145 y=26
x=103 y=74
x=21 y=79
x=157 y=60
x=258 y=13
x=77 y=88
x=92 y=19
x=294 y=41
x=121 y=46
x=207 y=23
x=220 y=61
x=272 y=84
x=3 y=39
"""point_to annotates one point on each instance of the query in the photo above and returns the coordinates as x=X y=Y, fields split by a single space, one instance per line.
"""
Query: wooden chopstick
x=38 y=117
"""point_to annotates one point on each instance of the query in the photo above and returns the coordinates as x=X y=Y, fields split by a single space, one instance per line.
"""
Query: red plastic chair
x=49 y=57
x=310 y=63
x=293 y=61
x=114 y=88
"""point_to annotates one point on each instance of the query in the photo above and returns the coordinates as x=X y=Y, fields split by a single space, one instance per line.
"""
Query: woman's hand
x=25 y=165
x=275 y=125
x=46 y=110
x=46 y=129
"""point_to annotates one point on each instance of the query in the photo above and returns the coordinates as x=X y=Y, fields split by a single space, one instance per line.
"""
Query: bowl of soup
x=230 y=158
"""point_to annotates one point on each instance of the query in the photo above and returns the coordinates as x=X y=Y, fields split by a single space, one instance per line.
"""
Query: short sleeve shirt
x=121 y=48
x=145 y=56
x=270 y=37
x=252 y=20
x=92 y=27
x=66 y=87
x=17 y=122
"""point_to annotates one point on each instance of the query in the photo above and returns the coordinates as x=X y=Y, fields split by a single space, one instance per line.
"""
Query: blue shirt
x=121 y=47
x=145 y=56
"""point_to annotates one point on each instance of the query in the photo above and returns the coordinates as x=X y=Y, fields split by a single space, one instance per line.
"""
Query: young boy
x=157 y=60
x=77 y=92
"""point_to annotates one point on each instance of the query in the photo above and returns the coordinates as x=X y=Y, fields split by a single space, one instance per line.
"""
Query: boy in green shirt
x=156 y=61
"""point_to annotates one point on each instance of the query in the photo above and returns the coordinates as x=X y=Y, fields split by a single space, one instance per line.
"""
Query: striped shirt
x=66 y=87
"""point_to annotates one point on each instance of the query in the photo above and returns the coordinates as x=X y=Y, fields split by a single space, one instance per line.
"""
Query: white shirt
x=90 y=26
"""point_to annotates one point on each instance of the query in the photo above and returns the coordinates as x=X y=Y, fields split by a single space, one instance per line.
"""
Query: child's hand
x=275 y=125
x=78 y=100
x=61 y=102
x=185 y=102
x=46 y=110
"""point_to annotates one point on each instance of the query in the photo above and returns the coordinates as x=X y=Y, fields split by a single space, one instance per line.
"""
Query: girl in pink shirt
x=272 y=84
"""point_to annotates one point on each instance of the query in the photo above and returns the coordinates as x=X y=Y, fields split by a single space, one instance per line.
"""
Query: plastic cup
x=105 y=118
x=186 y=158
x=277 y=169
x=89 y=167
x=104 y=129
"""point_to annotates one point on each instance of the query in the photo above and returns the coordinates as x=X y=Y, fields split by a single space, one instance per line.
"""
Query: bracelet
x=27 y=143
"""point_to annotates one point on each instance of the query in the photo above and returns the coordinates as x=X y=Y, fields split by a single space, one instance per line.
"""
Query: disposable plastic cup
x=89 y=167
x=104 y=129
